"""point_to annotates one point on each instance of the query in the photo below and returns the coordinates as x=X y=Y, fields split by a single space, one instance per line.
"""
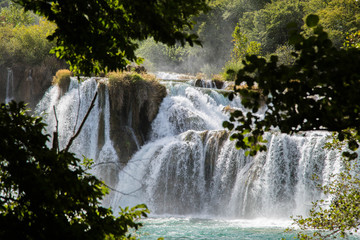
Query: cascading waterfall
x=94 y=140
x=9 y=86
x=189 y=166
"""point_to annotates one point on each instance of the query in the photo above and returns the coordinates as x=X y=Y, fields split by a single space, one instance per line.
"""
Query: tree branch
x=82 y=123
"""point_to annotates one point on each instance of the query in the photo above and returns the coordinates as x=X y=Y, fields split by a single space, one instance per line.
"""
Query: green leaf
x=312 y=20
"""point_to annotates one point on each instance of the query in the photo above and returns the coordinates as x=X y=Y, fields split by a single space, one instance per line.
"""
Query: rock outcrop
x=134 y=103
x=209 y=83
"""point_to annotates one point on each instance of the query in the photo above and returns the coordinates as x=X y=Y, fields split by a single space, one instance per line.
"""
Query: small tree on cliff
x=101 y=35
x=46 y=194
x=320 y=91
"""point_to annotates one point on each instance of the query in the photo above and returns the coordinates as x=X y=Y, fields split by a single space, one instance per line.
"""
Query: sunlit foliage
x=25 y=44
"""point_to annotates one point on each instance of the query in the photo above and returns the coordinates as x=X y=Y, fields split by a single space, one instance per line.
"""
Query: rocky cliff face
x=134 y=103
x=29 y=83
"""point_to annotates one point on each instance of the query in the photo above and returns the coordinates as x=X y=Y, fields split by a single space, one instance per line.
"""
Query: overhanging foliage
x=318 y=92
x=46 y=194
x=98 y=35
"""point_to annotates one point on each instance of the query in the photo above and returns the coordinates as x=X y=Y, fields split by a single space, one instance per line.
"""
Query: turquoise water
x=201 y=229
x=195 y=228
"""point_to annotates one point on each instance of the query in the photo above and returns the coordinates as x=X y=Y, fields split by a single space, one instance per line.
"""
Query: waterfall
x=94 y=139
x=9 y=86
x=188 y=165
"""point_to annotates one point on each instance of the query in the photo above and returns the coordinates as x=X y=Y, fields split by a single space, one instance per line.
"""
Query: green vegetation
x=259 y=23
x=214 y=29
x=47 y=194
x=242 y=46
x=338 y=216
x=161 y=57
x=338 y=17
x=95 y=36
x=268 y=26
x=352 y=40
x=22 y=43
x=129 y=77
x=14 y=15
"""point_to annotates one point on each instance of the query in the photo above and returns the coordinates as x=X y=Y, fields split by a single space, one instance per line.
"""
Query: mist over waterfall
x=188 y=165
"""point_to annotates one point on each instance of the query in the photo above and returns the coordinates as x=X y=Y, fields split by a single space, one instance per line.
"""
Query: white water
x=9 y=86
x=189 y=167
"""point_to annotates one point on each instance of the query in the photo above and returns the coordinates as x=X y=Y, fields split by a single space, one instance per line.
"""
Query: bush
x=129 y=77
x=217 y=77
x=284 y=54
x=230 y=70
x=62 y=78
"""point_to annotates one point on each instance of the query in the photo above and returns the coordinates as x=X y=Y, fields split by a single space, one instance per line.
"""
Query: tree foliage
x=268 y=25
x=25 y=44
x=100 y=35
x=338 y=17
x=352 y=40
x=46 y=194
x=15 y=15
x=340 y=214
x=242 y=46
x=214 y=29
x=315 y=93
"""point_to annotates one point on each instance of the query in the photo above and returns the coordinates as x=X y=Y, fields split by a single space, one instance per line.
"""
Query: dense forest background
x=236 y=27
x=230 y=30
